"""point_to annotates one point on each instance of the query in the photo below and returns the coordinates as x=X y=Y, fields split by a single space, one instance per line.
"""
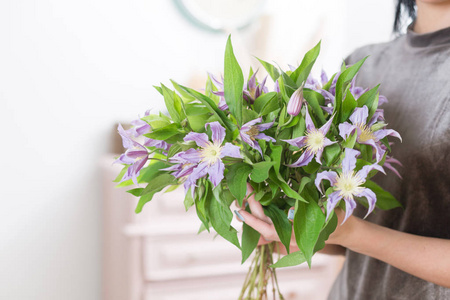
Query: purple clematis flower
x=219 y=85
x=347 y=184
x=250 y=131
x=295 y=102
x=253 y=90
x=314 y=142
x=140 y=127
x=197 y=163
x=365 y=135
x=136 y=156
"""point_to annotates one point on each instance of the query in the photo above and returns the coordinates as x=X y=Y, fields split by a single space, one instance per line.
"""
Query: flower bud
x=295 y=103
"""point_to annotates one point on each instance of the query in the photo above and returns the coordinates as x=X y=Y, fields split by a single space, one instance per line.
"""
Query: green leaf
x=154 y=186
x=250 y=238
x=293 y=259
x=266 y=103
x=302 y=72
x=148 y=173
x=331 y=153
x=184 y=95
x=271 y=69
x=156 y=121
x=237 y=180
x=233 y=83
x=350 y=141
x=212 y=107
x=174 y=149
x=305 y=180
x=348 y=105
x=136 y=192
x=341 y=86
x=312 y=167
x=275 y=156
x=173 y=104
x=299 y=129
x=249 y=115
x=165 y=132
x=314 y=100
x=201 y=205
x=385 y=200
x=277 y=179
x=188 y=200
x=368 y=97
x=308 y=222
x=289 y=86
x=328 y=229
x=261 y=171
x=281 y=223
x=221 y=217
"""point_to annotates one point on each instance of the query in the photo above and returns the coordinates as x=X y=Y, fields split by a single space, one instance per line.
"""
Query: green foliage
x=233 y=83
x=237 y=180
x=266 y=103
x=260 y=171
x=250 y=238
x=331 y=154
x=281 y=224
x=275 y=156
x=302 y=72
x=308 y=222
x=293 y=259
x=221 y=217
x=173 y=104
x=385 y=200
x=154 y=186
x=348 y=105
x=271 y=69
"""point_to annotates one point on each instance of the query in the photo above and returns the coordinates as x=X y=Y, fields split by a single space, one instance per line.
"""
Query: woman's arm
x=424 y=257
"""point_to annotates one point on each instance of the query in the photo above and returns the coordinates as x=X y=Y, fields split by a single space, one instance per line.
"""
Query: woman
x=401 y=253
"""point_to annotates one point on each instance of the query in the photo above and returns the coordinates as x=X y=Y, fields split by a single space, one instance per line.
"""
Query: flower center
x=253 y=131
x=211 y=153
x=315 y=140
x=366 y=133
x=348 y=184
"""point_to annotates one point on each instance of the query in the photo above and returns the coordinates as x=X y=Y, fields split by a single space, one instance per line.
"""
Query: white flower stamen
x=211 y=153
x=315 y=140
x=348 y=184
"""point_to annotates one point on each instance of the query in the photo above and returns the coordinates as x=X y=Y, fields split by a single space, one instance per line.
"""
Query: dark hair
x=408 y=6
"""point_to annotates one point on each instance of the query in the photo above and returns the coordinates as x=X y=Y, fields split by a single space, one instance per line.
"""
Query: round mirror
x=220 y=15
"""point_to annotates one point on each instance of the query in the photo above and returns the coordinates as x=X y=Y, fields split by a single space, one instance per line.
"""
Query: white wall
x=70 y=69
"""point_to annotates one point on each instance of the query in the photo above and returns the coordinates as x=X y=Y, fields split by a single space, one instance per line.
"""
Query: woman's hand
x=262 y=223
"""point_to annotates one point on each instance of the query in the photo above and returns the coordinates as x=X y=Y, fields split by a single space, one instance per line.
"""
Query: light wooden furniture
x=157 y=255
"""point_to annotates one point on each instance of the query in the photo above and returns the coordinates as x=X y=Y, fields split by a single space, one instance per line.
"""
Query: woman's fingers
x=256 y=207
x=266 y=230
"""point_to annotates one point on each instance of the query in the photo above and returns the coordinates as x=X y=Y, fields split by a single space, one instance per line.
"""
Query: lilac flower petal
x=218 y=132
x=276 y=86
x=327 y=109
x=246 y=138
x=191 y=155
x=327 y=95
x=379 y=152
x=247 y=126
x=126 y=139
x=324 y=129
x=186 y=170
x=258 y=148
x=201 y=139
x=393 y=161
x=349 y=161
x=378 y=115
x=388 y=164
x=135 y=153
x=371 y=199
x=215 y=172
x=198 y=172
x=230 y=150
x=350 y=205
x=219 y=93
x=309 y=123
x=222 y=104
x=216 y=82
x=326 y=142
x=327 y=175
x=332 y=200
x=262 y=136
x=346 y=129
x=172 y=168
x=123 y=159
x=362 y=174
x=323 y=77
x=382 y=99
x=295 y=102
x=379 y=134
x=252 y=82
x=360 y=115
x=304 y=160
x=299 y=142
x=264 y=126
x=292 y=68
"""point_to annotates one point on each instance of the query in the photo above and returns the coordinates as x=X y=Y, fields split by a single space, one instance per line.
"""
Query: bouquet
x=309 y=144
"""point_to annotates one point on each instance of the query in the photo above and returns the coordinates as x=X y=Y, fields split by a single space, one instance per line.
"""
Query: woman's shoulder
x=376 y=49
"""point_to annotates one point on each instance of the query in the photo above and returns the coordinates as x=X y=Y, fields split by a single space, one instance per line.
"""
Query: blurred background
x=70 y=71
